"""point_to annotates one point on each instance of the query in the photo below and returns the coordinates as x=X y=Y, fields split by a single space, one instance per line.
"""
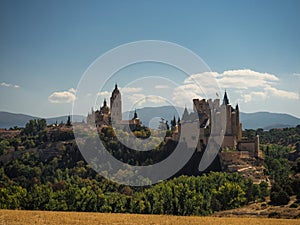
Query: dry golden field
x=16 y=217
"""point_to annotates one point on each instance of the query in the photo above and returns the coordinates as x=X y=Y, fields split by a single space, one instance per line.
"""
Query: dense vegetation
x=63 y=180
x=284 y=173
x=279 y=146
x=283 y=137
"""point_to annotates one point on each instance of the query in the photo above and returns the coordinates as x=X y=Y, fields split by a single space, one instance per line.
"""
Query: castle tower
x=238 y=123
x=228 y=114
x=116 y=105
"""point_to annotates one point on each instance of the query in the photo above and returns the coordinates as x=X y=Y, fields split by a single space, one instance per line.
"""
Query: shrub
x=279 y=198
x=274 y=215
x=294 y=205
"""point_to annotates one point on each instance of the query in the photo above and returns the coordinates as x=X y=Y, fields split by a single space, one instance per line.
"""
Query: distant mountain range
x=8 y=119
x=265 y=120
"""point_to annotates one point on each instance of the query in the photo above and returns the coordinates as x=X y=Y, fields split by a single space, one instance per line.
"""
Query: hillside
x=264 y=209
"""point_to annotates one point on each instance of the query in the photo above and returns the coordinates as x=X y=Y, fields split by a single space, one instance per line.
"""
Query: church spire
x=104 y=102
x=135 y=115
x=225 y=99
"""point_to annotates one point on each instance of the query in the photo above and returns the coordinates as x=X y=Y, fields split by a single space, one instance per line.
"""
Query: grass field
x=16 y=217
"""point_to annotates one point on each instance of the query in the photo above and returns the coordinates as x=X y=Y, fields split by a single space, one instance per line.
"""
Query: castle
x=223 y=113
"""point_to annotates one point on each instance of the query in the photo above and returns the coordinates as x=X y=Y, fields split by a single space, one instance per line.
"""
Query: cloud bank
x=249 y=84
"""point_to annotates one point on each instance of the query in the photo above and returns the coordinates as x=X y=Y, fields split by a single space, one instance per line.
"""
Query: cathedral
x=107 y=116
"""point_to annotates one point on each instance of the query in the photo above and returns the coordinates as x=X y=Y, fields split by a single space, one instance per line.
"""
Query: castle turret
x=225 y=99
x=238 y=123
x=185 y=114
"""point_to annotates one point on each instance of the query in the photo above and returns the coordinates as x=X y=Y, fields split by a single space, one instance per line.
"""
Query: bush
x=294 y=205
x=274 y=215
x=279 y=198
x=264 y=205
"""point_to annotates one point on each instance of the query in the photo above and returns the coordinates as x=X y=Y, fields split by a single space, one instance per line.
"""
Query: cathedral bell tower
x=116 y=105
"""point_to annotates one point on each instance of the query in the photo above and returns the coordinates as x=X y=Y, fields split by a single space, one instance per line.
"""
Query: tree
x=15 y=142
x=4 y=146
x=12 y=197
x=41 y=124
x=279 y=198
x=69 y=121
x=298 y=129
x=34 y=126
x=231 y=195
x=173 y=123
x=167 y=125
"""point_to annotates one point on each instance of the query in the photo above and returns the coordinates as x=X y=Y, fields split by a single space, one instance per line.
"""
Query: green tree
x=279 y=198
x=69 y=123
x=12 y=197
x=4 y=146
x=230 y=195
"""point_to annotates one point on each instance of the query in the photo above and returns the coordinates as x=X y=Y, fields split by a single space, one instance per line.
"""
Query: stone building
x=214 y=118
x=107 y=116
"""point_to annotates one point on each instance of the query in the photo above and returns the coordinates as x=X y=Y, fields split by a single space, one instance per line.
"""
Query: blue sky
x=45 y=47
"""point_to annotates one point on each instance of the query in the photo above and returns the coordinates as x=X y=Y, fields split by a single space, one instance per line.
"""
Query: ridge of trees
x=66 y=182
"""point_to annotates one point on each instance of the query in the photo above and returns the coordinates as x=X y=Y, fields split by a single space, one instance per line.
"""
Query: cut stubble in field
x=16 y=217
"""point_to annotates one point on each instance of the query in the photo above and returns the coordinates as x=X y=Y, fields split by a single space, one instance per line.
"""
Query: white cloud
x=104 y=94
x=250 y=85
x=155 y=99
x=244 y=79
x=250 y=73
x=4 y=84
x=281 y=93
x=72 y=90
x=247 y=98
x=161 y=86
x=126 y=90
x=296 y=74
x=137 y=99
x=63 y=96
x=184 y=94
x=254 y=95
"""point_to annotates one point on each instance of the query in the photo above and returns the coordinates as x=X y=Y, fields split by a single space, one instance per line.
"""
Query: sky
x=251 y=47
